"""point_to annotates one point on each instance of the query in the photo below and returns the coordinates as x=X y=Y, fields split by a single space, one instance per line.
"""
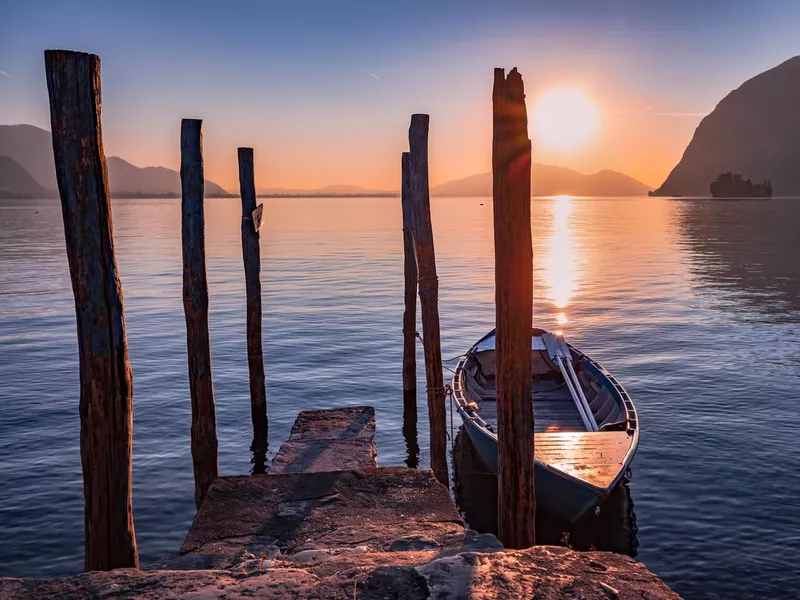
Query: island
x=730 y=185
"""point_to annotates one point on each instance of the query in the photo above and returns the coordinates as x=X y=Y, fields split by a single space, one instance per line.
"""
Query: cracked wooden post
x=409 y=318
x=106 y=381
x=511 y=165
x=251 y=253
x=195 y=306
x=428 y=292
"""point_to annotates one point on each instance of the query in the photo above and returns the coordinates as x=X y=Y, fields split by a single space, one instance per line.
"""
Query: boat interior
x=590 y=445
x=553 y=404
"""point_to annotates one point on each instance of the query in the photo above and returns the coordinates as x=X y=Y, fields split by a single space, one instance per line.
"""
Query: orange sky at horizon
x=642 y=142
x=324 y=93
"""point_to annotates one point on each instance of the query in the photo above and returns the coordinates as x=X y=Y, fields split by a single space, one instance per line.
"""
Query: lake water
x=693 y=305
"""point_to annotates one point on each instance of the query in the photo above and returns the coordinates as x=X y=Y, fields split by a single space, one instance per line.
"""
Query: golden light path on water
x=561 y=263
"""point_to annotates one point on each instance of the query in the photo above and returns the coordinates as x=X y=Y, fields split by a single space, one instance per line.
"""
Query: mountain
x=754 y=131
x=326 y=191
x=125 y=179
x=549 y=180
x=32 y=149
x=16 y=182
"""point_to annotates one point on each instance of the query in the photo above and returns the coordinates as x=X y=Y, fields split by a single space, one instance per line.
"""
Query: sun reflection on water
x=561 y=259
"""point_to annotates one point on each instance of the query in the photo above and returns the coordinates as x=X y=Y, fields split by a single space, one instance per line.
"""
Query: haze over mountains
x=753 y=131
x=31 y=149
x=27 y=171
x=549 y=180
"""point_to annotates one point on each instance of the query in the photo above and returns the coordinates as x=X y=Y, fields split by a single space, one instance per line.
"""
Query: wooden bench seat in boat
x=595 y=458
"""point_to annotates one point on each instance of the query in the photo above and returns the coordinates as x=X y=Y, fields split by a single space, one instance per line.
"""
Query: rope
x=452 y=437
x=425 y=292
x=415 y=333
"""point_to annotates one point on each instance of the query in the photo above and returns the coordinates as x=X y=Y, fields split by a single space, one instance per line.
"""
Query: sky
x=324 y=90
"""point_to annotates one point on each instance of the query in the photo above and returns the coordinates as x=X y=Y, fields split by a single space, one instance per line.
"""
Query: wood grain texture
x=428 y=292
x=106 y=381
x=195 y=306
x=251 y=253
x=410 y=297
x=594 y=457
x=511 y=164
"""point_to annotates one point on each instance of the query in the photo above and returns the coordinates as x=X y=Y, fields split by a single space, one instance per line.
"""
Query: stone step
x=375 y=510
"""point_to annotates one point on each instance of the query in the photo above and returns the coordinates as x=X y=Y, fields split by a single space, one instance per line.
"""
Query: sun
x=564 y=119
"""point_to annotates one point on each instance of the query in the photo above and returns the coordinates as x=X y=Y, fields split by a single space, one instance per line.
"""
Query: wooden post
x=410 y=312
x=251 y=252
x=428 y=292
x=195 y=306
x=511 y=164
x=106 y=381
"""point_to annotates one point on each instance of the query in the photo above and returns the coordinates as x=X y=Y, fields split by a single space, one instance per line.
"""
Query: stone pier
x=328 y=523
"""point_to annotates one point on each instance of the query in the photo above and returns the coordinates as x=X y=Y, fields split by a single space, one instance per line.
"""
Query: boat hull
x=560 y=496
x=560 y=490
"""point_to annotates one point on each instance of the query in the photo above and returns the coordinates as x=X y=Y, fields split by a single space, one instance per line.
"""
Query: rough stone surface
x=540 y=572
x=329 y=440
x=304 y=511
x=389 y=534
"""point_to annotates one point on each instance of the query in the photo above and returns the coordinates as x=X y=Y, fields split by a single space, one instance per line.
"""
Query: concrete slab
x=382 y=509
x=339 y=439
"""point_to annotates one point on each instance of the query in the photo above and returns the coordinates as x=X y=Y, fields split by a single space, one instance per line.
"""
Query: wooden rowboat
x=585 y=425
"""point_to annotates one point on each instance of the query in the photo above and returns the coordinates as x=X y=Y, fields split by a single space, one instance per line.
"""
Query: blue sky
x=324 y=90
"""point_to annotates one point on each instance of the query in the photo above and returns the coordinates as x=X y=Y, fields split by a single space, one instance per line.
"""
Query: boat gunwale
x=467 y=414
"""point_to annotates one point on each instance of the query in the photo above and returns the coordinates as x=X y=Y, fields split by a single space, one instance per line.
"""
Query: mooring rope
x=452 y=437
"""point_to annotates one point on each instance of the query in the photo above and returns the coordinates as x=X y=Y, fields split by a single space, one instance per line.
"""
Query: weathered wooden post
x=106 y=381
x=511 y=164
x=251 y=252
x=410 y=313
x=195 y=307
x=428 y=292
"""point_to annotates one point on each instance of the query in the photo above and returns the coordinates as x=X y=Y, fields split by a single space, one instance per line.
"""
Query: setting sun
x=564 y=119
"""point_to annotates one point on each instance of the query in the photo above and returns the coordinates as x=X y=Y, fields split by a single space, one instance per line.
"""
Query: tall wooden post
x=409 y=319
x=428 y=292
x=106 y=381
x=195 y=307
x=511 y=164
x=251 y=252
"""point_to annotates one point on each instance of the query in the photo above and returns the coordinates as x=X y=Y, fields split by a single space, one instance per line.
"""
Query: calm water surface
x=693 y=305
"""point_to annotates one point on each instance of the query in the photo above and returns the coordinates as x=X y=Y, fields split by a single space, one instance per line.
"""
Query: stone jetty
x=327 y=522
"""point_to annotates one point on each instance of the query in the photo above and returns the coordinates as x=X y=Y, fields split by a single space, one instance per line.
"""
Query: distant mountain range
x=26 y=158
x=27 y=171
x=328 y=191
x=754 y=131
x=16 y=182
x=549 y=180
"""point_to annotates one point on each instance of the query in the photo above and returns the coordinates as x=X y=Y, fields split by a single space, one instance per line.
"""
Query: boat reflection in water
x=611 y=528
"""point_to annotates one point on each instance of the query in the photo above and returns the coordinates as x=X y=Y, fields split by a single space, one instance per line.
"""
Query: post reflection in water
x=410 y=429
x=259 y=451
x=612 y=528
x=561 y=258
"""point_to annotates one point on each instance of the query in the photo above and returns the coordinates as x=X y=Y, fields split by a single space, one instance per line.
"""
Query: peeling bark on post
x=511 y=164
x=251 y=253
x=106 y=381
x=410 y=312
x=428 y=292
x=195 y=306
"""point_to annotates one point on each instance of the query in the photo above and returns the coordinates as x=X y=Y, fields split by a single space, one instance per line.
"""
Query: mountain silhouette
x=326 y=191
x=754 y=131
x=16 y=182
x=31 y=148
x=549 y=180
